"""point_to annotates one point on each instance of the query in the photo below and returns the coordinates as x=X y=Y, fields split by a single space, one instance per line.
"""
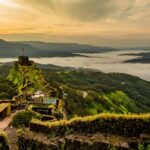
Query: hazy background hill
x=68 y=47
x=9 y=49
x=42 y=49
x=142 y=58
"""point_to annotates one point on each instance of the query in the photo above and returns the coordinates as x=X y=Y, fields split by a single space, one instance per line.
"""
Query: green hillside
x=88 y=92
x=28 y=79
x=92 y=92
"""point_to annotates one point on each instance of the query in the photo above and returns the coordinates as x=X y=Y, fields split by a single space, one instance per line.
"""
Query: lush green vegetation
x=7 y=89
x=104 y=123
x=28 y=79
x=3 y=141
x=92 y=92
x=88 y=92
x=26 y=76
x=22 y=119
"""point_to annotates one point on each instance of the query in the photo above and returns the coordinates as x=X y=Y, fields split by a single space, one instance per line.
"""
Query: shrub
x=22 y=119
x=58 y=115
x=3 y=141
x=124 y=125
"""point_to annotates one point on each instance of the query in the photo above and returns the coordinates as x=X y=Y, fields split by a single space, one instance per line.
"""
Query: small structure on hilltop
x=28 y=78
x=24 y=60
x=5 y=110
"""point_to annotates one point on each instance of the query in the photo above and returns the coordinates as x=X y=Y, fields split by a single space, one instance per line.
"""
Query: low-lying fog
x=106 y=62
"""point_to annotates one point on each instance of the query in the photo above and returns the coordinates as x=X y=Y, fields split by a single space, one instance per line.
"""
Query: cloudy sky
x=99 y=22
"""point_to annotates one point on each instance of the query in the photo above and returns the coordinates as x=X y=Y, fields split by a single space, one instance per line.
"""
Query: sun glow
x=8 y=3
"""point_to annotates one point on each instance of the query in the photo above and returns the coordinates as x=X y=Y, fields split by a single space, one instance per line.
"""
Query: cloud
x=88 y=21
x=89 y=10
x=83 y=10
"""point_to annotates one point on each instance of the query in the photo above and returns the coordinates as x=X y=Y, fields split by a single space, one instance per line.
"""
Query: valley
x=58 y=101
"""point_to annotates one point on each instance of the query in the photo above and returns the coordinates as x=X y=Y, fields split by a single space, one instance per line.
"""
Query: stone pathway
x=11 y=132
x=12 y=135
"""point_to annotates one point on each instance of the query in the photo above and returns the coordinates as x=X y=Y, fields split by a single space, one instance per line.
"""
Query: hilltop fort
x=33 y=90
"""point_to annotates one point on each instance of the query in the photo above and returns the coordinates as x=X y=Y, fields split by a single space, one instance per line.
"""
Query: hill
x=9 y=49
x=138 y=48
x=28 y=78
x=142 y=58
x=68 y=47
x=43 y=49
x=90 y=92
x=109 y=99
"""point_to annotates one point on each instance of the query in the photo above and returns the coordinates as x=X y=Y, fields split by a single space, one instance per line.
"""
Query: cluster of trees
x=7 y=89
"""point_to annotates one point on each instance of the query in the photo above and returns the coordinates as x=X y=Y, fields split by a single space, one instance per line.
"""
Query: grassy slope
x=118 y=93
x=22 y=76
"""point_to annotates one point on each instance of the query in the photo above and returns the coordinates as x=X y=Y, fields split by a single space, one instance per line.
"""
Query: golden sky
x=99 y=22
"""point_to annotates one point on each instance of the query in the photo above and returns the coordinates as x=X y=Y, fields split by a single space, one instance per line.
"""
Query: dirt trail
x=6 y=121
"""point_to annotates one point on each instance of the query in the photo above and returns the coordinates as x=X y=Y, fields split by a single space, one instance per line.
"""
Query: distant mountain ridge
x=43 y=49
x=142 y=58
x=138 y=48
x=13 y=49
x=71 y=47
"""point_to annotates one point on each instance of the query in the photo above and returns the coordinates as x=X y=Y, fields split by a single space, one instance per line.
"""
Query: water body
x=106 y=62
